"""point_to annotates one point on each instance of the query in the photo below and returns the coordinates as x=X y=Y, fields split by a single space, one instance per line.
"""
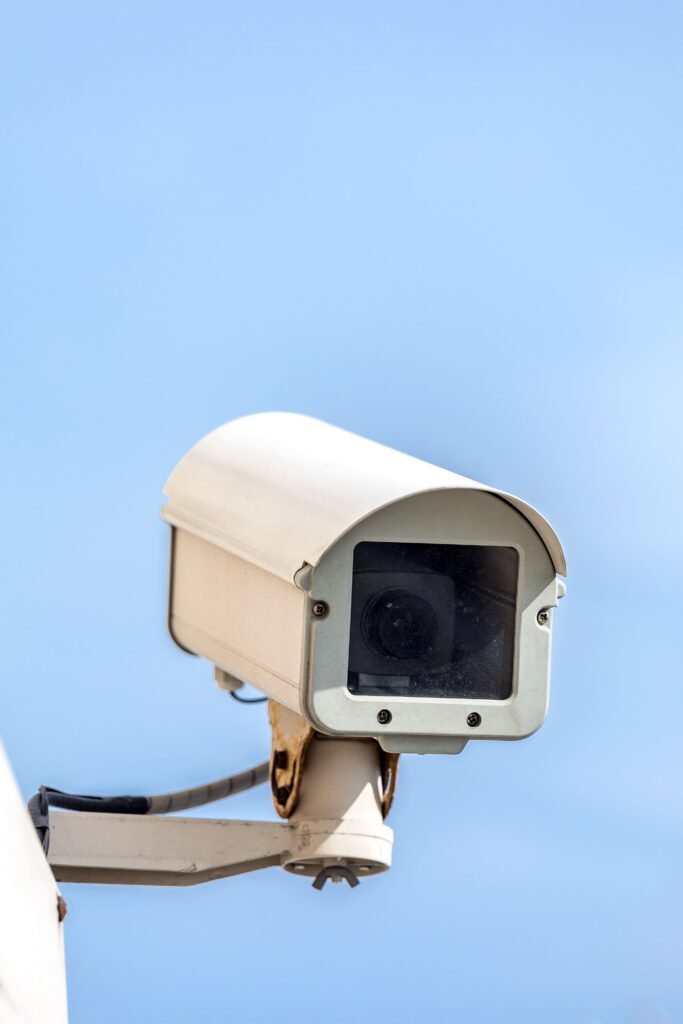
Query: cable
x=246 y=700
x=160 y=803
x=183 y=799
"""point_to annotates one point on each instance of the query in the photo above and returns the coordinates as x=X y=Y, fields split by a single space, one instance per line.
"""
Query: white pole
x=32 y=976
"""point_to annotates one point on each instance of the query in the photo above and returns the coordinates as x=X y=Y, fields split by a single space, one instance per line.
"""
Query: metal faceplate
x=432 y=724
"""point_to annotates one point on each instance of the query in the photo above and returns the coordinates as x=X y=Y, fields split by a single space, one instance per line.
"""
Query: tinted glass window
x=432 y=620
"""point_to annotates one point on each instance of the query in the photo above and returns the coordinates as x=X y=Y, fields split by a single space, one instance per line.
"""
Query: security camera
x=370 y=592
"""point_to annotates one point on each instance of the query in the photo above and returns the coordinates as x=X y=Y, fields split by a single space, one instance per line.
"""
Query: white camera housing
x=267 y=515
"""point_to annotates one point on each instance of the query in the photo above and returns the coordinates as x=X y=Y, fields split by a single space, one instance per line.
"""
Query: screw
x=320 y=609
x=474 y=719
x=384 y=716
x=543 y=618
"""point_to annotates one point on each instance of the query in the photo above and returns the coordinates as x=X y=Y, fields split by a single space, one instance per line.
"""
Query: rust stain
x=291 y=738
x=389 y=779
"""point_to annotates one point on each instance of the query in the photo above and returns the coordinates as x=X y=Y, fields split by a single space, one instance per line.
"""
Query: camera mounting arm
x=126 y=849
x=336 y=831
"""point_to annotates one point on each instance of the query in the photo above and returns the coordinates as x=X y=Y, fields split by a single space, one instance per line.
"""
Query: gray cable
x=184 y=799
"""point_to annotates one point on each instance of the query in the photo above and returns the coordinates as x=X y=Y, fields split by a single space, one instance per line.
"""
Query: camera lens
x=399 y=625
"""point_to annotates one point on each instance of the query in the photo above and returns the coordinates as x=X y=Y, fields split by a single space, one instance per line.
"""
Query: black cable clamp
x=39 y=809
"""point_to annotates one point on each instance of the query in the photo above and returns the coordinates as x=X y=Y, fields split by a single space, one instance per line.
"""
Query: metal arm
x=336 y=829
x=126 y=849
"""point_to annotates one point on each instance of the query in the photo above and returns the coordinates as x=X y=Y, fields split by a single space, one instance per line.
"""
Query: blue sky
x=455 y=228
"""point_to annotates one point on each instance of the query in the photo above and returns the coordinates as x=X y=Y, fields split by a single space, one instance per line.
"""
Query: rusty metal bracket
x=291 y=737
x=389 y=779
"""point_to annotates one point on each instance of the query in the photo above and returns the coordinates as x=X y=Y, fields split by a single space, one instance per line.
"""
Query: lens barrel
x=399 y=625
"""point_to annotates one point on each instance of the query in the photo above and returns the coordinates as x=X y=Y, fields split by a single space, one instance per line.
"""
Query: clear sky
x=454 y=227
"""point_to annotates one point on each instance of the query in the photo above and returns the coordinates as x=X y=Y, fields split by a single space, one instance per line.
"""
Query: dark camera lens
x=397 y=624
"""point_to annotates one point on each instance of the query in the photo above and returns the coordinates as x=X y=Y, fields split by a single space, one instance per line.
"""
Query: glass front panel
x=432 y=620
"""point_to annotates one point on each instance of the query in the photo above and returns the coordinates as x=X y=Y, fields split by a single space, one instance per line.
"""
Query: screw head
x=543 y=618
x=474 y=719
x=320 y=609
x=384 y=716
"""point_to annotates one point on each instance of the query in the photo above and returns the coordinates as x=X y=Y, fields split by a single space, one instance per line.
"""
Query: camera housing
x=373 y=593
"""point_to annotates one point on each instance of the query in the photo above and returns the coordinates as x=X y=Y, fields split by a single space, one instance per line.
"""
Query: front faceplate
x=511 y=708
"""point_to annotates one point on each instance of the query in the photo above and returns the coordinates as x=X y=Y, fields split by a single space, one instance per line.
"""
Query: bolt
x=543 y=618
x=474 y=719
x=384 y=716
x=320 y=609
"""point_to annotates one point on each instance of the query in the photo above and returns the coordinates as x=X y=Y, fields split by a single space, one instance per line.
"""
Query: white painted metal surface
x=338 y=818
x=279 y=489
x=32 y=977
x=213 y=598
x=338 y=824
x=130 y=849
